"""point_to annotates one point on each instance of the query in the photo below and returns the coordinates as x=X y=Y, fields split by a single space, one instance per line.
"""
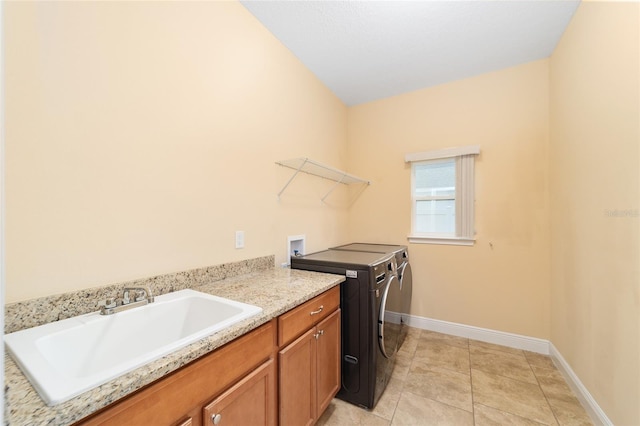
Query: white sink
x=66 y=358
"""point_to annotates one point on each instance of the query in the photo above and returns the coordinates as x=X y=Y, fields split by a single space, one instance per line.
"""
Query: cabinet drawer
x=298 y=320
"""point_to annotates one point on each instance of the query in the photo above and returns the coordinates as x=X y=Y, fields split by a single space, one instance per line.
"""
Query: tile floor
x=446 y=380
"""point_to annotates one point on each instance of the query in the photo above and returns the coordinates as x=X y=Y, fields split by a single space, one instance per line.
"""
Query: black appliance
x=369 y=342
x=399 y=297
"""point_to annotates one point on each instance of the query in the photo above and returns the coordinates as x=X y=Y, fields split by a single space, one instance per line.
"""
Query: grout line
x=440 y=402
x=411 y=358
x=513 y=414
x=542 y=391
x=473 y=404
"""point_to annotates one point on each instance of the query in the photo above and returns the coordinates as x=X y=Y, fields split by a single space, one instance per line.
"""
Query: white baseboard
x=588 y=402
x=517 y=341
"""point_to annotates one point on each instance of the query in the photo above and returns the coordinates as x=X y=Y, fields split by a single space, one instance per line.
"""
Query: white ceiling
x=367 y=50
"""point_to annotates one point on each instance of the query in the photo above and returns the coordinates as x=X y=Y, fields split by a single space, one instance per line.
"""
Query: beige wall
x=141 y=135
x=595 y=192
x=502 y=282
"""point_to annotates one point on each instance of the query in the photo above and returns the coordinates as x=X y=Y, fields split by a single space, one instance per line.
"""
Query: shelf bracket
x=338 y=182
x=292 y=177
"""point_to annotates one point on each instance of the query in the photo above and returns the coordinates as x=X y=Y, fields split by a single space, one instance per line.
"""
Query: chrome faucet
x=132 y=297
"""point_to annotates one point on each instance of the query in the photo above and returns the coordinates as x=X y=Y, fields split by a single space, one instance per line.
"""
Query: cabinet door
x=298 y=381
x=249 y=402
x=328 y=357
x=186 y=422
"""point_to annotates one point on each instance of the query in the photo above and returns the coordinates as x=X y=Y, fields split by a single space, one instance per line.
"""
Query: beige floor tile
x=569 y=412
x=386 y=406
x=402 y=365
x=413 y=331
x=432 y=336
x=487 y=416
x=438 y=354
x=553 y=384
x=440 y=384
x=493 y=346
x=509 y=364
x=409 y=345
x=341 y=413
x=539 y=360
x=396 y=381
x=561 y=398
x=416 y=410
x=511 y=396
x=547 y=372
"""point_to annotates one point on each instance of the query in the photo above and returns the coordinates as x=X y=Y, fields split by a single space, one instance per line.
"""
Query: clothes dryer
x=369 y=341
x=400 y=297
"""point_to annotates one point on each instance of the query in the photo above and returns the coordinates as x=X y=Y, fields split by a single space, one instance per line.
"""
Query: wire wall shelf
x=309 y=166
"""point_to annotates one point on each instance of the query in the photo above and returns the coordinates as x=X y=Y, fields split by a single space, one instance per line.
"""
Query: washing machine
x=399 y=297
x=369 y=340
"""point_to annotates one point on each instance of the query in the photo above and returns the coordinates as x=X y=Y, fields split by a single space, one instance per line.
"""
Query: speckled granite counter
x=275 y=290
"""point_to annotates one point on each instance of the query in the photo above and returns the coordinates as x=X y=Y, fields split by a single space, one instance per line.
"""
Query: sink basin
x=66 y=358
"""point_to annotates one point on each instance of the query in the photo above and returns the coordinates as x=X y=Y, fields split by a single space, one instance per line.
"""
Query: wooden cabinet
x=309 y=365
x=252 y=401
x=245 y=364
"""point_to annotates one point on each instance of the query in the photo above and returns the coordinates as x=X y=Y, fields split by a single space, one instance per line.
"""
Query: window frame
x=464 y=195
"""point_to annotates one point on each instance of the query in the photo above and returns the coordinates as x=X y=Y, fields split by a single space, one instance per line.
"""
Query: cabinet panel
x=251 y=401
x=293 y=323
x=297 y=381
x=328 y=358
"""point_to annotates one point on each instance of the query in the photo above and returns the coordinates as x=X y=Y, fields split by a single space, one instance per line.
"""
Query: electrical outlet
x=239 y=239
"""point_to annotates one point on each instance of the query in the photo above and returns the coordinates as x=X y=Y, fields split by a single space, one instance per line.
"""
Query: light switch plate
x=239 y=239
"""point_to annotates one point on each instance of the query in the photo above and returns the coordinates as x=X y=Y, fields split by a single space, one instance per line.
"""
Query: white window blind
x=443 y=196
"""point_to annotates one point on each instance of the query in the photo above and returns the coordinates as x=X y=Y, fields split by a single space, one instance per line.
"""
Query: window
x=442 y=196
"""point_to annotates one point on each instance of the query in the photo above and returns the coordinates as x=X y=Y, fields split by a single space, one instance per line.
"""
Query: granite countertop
x=275 y=290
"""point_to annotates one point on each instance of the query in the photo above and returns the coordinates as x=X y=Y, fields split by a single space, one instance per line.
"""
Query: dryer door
x=406 y=288
x=388 y=327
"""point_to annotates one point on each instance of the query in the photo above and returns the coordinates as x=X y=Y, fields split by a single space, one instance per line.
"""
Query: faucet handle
x=137 y=294
x=109 y=303
x=145 y=292
x=141 y=294
x=126 y=297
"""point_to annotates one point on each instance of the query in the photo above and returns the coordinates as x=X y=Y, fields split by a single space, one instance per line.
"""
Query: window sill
x=454 y=241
